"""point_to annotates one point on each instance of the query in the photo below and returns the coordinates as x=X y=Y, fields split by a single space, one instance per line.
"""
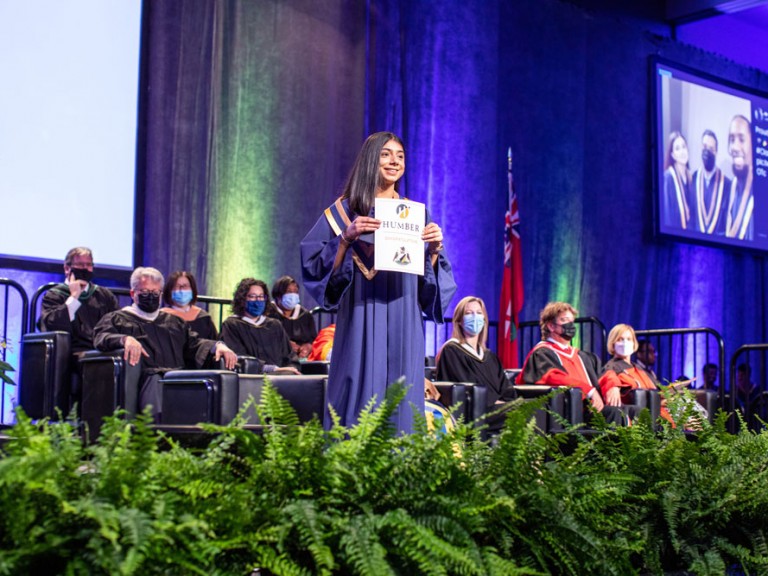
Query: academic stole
x=367 y=251
x=682 y=201
x=708 y=215
x=737 y=227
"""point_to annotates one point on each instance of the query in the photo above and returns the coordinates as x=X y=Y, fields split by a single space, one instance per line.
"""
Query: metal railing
x=682 y=352
x=748 y=389
x=590 y=337
x=216 y=307
x=12 y=297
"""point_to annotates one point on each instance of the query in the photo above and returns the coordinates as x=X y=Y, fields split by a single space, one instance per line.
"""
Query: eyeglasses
x=150 y=293
x=253 y=297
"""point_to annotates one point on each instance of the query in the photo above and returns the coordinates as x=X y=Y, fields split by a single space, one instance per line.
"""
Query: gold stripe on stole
x=364 y=270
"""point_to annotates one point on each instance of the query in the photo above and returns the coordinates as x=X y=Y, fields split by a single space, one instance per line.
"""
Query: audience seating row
x=194 y=396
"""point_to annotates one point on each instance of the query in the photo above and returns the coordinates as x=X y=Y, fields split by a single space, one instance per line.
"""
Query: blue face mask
x=255 y=307
x=473 y=324
x=290 y=300
x=181 y=297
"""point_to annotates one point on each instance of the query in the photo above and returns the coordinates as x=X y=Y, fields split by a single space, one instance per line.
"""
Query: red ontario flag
x=512 y=281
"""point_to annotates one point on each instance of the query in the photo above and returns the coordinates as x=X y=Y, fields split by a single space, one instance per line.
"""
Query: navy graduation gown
x=379 y=330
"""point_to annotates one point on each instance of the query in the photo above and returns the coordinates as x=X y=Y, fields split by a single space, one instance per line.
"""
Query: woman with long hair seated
x=465 y=357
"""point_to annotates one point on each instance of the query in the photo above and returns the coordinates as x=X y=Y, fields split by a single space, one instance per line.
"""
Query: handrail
x=117 y=291
x=9 y=284
x=733 y=368
x=526 y=331
x=659 y=332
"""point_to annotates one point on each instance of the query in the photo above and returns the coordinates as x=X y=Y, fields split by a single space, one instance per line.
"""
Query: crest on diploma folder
x=398 y=243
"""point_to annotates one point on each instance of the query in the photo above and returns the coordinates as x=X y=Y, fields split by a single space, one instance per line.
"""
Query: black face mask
x=708 y=159
x=567 y=330
x=148 y=302
x=82 y=274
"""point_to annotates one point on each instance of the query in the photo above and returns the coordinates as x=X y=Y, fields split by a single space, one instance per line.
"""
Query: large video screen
x=711 y=158
x=68 y=125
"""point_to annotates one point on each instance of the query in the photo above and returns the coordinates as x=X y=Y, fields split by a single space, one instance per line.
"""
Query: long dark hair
x=241 y=295
x=360 y=188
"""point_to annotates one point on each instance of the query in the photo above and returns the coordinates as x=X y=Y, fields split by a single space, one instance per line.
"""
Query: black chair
x=566 y=406
x=640 y=399
x=305 y=393
x=709 y=400
x=109 y=383
x=315 y=367
x=470 y=398
x=248 y=365
x=45 y=386
x=191 y=397
x=194 y=396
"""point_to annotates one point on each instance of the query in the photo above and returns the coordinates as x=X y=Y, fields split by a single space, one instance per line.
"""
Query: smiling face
x=680 y=151
x=740 y=147
x=391 y=164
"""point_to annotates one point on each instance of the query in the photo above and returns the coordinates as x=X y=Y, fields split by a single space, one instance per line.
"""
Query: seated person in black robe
x=180 y=295
x=162 y=341
x=465 y=358
x=76 y=305
x=297 y=321
x=249 y=332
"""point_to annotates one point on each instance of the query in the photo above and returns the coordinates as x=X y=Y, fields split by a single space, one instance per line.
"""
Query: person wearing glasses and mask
x=162 y=341
x=554 y=362
x=465 y=358
x=297 y=321
x=76 y=305
x=250 y=332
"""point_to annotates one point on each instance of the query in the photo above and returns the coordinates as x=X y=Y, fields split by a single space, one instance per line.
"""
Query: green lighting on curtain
x=241 y=241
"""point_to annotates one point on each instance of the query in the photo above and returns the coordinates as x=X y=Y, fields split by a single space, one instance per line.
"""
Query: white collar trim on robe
x=257 y=322
x=563 y=347
x=479 y=355
x=133 y=309
x=296 y=312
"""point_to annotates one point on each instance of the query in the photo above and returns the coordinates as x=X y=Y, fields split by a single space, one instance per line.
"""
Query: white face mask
x=624 y=348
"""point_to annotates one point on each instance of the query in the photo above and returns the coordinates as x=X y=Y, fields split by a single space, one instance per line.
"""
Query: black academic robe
x=94 y=305
x=301 y=330
x=267 y=342
x=204 y=326
x=170 y=341
x=457 y=364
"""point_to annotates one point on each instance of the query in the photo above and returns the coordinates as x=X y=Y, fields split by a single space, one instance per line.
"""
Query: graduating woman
x=379 y=332
x=465 y=358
